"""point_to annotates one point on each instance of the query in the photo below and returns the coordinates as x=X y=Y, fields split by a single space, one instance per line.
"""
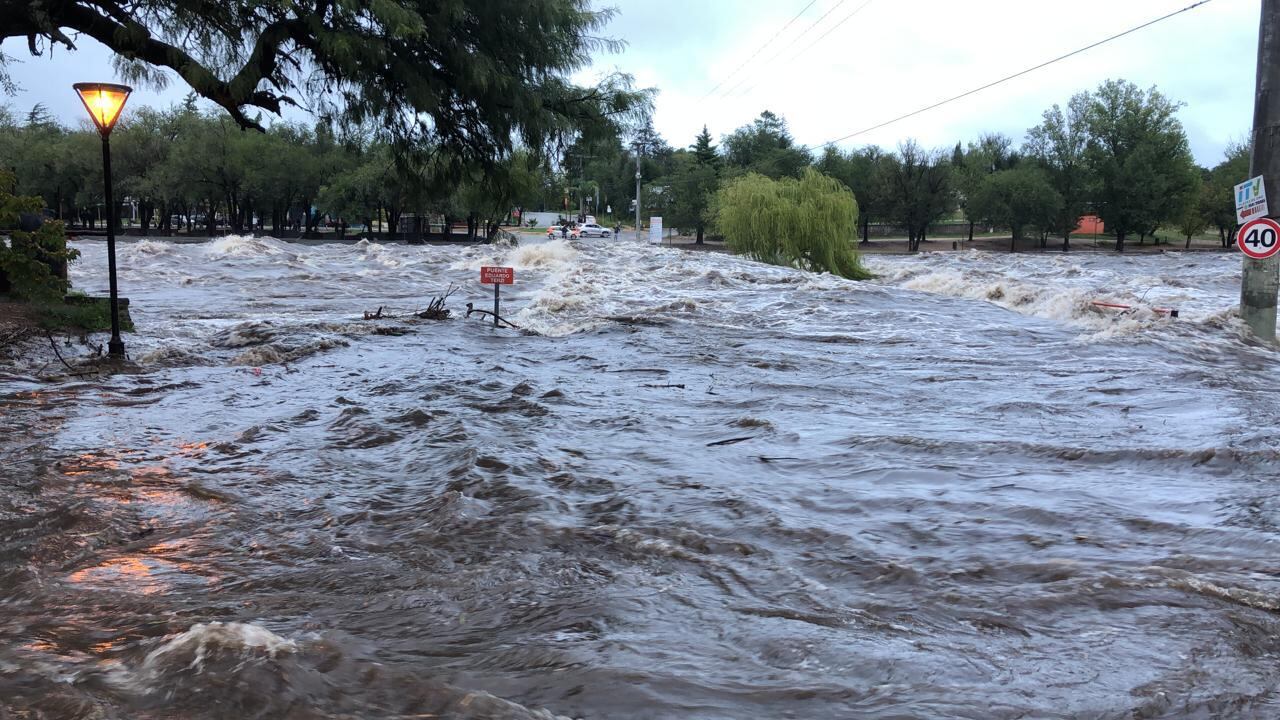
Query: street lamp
x=104 y=102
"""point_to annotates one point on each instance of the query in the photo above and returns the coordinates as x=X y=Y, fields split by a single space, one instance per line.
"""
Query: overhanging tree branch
x=439 y=77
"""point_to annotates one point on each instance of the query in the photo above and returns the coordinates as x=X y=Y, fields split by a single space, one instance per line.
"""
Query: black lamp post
x=104 y=102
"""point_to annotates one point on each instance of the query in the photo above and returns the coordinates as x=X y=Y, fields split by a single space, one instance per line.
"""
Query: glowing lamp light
x=104 y=102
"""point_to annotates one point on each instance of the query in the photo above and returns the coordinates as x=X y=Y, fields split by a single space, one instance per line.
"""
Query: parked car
x=593 y=230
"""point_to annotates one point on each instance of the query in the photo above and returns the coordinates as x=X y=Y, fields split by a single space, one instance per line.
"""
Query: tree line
x=1118 y=151
x=187 y=169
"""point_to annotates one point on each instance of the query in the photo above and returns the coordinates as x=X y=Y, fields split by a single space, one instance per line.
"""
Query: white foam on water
x=273 y=354
x=379 y=254
x=172 y=355
x=145 y=248
x=203 y=638
x=638 y=282
x=553 y=255
x=244 y=246
x=193 y=648
x=1064 y=288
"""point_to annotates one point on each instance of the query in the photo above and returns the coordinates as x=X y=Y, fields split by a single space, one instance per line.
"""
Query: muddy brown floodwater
x=707 y=488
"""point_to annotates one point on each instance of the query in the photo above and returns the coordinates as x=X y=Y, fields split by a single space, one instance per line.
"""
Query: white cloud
x=894 y=57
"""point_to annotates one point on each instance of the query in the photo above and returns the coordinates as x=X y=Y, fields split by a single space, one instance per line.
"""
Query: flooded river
x=700 y=487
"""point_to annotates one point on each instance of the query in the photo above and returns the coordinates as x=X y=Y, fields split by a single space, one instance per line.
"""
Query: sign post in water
x=1259 y=238
x=497 y=276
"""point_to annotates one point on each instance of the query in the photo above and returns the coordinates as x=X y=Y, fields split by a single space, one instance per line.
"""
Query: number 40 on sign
x=1259 y=238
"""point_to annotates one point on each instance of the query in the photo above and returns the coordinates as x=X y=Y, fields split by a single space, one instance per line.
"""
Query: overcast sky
x=878 y=59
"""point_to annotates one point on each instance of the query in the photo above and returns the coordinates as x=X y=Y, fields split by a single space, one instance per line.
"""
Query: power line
x=789 y=45
x=811 y=45
x=833 y=29
x=761 y=49
x=1073 y=53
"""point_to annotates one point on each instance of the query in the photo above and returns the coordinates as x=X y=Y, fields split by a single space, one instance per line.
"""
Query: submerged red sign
x=497 y=275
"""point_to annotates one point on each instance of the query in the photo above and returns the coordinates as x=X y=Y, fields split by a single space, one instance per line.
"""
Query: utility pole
x=1261 y=280
x=637 y=196
x=582 y=198
x=639 y=148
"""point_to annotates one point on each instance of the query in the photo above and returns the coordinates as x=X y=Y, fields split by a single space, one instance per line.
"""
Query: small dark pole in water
x=496 y=290
x=104 y=102
x=1261 y=279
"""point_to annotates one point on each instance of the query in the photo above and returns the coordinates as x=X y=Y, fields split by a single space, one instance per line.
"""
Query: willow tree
x=810 y=223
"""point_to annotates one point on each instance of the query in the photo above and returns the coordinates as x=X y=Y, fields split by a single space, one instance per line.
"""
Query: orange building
x=1090 y=225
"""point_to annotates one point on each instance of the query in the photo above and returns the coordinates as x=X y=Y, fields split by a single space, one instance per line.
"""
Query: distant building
x=1090 y=225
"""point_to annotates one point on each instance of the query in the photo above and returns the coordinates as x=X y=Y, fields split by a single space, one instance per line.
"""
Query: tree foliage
x=1219 y=203
x=1018 y=198
x=33 y=264
x=687 y=194
x=1058 y=146
x=1193 y=217
x=688 y=189
x=200 y=169
x=1138 y=157
x=919 y=190
x=704 y=151
x=972 y=167
x=864 y=172
x=471 y=79
x=809 y=223
x=766 y=147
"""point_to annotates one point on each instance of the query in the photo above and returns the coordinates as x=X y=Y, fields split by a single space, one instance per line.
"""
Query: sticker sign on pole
x=1259 y=239
x=655 y=230
x=497 y=277
x=1251 y=200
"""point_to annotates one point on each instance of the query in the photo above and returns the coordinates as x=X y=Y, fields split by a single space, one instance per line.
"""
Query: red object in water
x=497 y=275
x=1162 y=311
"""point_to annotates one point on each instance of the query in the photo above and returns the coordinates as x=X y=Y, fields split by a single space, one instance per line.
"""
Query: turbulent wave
x=215 y=668
x=144 y=248
x=245 y=246
x=552 y=255
x=277 y=354
x=1064 y=288
x=212 y=641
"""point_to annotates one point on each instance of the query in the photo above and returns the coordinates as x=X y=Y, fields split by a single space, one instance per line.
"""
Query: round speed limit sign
x=1259 y=239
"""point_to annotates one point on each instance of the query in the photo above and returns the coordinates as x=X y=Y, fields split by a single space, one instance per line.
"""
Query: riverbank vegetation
x=33 y=270
x=803 y=223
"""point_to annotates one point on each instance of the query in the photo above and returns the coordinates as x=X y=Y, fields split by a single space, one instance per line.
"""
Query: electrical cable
x=794 y=40
x=811 y=45
x=828 y=32
x=761 y=49
x=1060 y=58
